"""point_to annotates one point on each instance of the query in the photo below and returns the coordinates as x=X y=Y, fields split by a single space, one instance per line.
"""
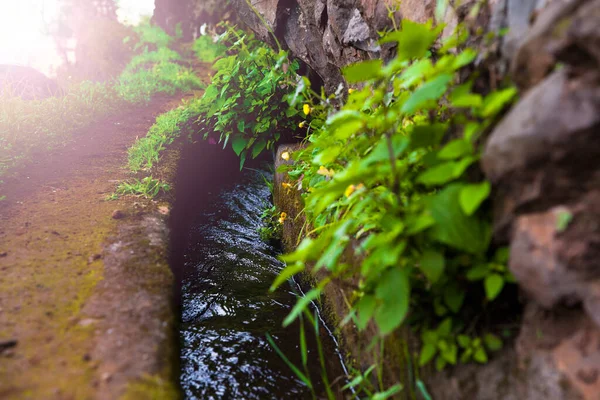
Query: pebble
x=118 y=214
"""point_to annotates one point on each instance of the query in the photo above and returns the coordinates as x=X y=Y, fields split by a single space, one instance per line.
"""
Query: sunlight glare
x=24 y=37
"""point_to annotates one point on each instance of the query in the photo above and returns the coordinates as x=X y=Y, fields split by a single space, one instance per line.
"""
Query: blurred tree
x=189 y=14
x=90 y=39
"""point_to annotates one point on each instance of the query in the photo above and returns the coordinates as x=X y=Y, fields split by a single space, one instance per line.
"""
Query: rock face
x=325 y=34
x=543 y=160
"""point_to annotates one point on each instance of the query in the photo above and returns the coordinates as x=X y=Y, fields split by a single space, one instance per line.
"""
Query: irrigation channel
x=225 y=272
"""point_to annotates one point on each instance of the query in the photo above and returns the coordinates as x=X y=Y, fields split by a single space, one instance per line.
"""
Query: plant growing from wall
x=391 y=176
x=243 y=103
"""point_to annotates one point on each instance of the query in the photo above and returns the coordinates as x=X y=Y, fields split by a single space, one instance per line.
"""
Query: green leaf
x=365 y=308
x=563 y=219
x=358 y=379
x=469 y=100
x=462 y=165
x=238 y=144
x=415 y=73
x=423 y=390
x=414 y=39
x=463 y=341
x=296 y=371
x=450 y=353
x=241 y=125
x=471 y=196
x=464 y=58
x=440 y=363
x=303 y=252
x=393 y=290
x=432 y=265
x=496 y=101
x=328 y=155
x=480 y=356
x=347 y=129
x=259 y=146
x=303 y=347
x=454 y=297
x=362 y=71
x=453 y=227
x=439 y=174
x=429 y=91
x=301 y=305
x=388 y=392
x=344 y=116
x=286 y=274
x=478 y=273
x=242 y=160
x=492 y=342
x=418 y=223
x=427 y=135
x=428 y=351
x=455 y=149
x=493 y=286
x=444 y=328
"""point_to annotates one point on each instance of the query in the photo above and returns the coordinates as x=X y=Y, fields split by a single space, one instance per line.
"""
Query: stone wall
x=542 y=158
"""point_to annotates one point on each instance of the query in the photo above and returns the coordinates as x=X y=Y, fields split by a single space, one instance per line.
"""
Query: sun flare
x=25 y=37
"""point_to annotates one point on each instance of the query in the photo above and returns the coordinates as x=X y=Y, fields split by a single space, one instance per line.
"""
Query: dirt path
x=78 y=288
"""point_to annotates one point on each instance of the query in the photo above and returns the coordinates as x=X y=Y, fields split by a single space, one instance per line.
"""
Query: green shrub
x=151 y=37
x=391 y=176
x=243 y=102
x=145 y=152
x=139 y=85
x=207 y=50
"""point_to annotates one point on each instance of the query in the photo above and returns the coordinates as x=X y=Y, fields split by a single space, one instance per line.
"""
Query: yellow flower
x=306 y=109
x=286 y=185
x=302 y=124
x=349 y=190
x=350 y=91
x=325 y=172
x=285 y=155
x=353 y=188
x=282 y=218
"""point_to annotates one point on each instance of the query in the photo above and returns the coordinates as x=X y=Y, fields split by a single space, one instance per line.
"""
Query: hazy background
x=41 y=33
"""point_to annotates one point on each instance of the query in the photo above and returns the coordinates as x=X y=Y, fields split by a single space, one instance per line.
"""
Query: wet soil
x=84 y=297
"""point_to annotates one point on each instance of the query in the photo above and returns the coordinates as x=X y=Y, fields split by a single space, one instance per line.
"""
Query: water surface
x=226 y=305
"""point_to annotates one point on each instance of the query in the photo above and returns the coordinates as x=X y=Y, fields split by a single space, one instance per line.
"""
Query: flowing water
x=226 y=306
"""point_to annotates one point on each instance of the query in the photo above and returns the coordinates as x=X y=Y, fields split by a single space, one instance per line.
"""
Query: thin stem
x=395 y=181
x=262 y=20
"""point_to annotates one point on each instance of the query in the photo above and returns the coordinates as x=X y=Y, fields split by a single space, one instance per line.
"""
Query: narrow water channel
x=225 y=272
